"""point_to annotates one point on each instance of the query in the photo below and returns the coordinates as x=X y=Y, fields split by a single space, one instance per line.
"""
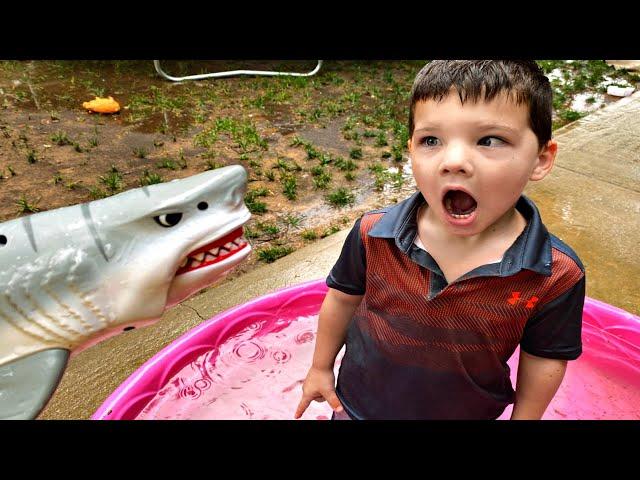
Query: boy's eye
x=491 y=142
x=430 y=141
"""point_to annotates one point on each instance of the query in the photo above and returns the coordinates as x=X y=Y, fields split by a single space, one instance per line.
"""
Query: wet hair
x=475 y=80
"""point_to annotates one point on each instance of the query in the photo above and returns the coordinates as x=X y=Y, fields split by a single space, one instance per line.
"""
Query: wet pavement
x=591 y=201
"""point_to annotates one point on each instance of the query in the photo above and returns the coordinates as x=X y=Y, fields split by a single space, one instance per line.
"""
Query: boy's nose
x=456 y=159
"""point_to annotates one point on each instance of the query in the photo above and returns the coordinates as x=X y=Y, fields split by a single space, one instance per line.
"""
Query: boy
x=433 y=295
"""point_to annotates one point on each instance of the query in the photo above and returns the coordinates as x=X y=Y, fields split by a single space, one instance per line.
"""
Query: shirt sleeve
x=349 y=273
x=556 y=331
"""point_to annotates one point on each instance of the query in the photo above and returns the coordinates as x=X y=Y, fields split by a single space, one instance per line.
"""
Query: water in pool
x=257 y=375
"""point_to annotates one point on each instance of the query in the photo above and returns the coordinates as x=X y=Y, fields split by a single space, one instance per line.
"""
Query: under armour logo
x=515 y=298
x=532 y=301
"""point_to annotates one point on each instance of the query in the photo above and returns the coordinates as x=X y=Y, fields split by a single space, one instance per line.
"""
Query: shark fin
x=27 y=384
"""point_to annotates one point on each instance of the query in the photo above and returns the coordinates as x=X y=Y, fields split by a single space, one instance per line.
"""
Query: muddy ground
x=300 y=139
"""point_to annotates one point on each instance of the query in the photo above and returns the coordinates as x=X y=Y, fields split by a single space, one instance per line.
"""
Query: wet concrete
x=591 y=201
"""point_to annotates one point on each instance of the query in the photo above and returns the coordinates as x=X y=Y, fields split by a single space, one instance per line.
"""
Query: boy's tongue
x=461 y=202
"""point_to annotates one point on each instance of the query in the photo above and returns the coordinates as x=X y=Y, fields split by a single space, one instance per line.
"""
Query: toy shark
x=74 y=275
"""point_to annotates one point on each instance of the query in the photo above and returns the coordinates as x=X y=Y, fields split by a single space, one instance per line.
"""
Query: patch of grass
x=167 y=163
x=93 y=142
x=140 y=152
x=369 y=134
x=570 y=115
x=61 y=139
x=27 y=206
x=397 y=152
x=72 y=185
x=349 y=176
x=32 y=157
x=341 y=197
x=77 y=147
x=211 y=165
x=321 y=177
x=11 y=171
x=345 y=165
x=268 y=228
x=97 y=193
x=150 y=178
x=381 y=139
x=330 y=231
x=113 y=180
x=355 y=153
x=292 y=220
x=57 y=178
x=271 y=254
x=309 y=234
x=271 y=175
x=289 y=186
x=255 y=206
x=250 y=233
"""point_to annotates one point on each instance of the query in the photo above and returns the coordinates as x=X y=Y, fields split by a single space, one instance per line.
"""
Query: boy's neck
x=504 y=231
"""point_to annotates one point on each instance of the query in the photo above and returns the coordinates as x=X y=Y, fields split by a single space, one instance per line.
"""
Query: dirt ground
x=300 y=139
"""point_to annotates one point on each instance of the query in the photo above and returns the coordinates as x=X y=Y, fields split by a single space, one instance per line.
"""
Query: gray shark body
x=71 y=276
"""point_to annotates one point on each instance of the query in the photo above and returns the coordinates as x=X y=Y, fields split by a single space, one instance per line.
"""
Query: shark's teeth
x=184 y=262
x=195 y=263
x=199 y=256
x=214 y=251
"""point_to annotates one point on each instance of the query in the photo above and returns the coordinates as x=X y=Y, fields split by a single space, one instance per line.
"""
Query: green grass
x=150 y=178
x=292 y=220
x=271 y=254
x=167 y=163
x=289 y=186
x=32 y=157
x=256 y=206
x=61 y=139
x=211 y=165
x=341 y=197
x=355 y=153
x=309 y=234
x=97 y=193
x=268 y=228
x=113 y=180
x=140 y=152
x=345 y=165
x=57 y=178
x=27 y=206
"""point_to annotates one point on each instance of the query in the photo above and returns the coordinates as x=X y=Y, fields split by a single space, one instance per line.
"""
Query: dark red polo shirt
x=419 y=348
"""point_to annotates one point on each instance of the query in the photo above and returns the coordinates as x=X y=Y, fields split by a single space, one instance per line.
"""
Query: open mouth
x=459 y=204
x=214 y=252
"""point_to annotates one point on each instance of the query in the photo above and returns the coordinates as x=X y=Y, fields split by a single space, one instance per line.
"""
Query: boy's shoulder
x=566 y=250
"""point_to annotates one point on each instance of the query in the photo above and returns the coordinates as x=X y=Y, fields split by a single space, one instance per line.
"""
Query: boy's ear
x=545 y=161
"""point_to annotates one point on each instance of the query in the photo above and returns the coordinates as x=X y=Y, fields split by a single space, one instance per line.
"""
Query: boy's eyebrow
x=479 y=125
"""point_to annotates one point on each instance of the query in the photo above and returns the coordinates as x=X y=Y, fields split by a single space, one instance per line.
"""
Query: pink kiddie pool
x=249 y=363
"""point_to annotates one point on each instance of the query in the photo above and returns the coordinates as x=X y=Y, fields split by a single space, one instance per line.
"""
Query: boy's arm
x=335 y=314
x=538 y=382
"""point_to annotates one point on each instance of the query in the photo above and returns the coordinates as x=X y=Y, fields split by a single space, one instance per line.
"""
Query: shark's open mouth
x=214 y=252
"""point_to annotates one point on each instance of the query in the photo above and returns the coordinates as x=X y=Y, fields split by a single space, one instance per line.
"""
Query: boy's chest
x=400 y=286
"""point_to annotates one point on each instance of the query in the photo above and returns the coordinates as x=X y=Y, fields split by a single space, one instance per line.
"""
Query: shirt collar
x=531 y=250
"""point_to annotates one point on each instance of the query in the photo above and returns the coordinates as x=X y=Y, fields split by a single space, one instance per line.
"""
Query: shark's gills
x=27 y=384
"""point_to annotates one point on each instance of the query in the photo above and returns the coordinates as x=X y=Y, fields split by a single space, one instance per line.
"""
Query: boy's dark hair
x=484 y=79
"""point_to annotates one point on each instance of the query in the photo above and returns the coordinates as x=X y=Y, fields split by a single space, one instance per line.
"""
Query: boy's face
x=485 y=151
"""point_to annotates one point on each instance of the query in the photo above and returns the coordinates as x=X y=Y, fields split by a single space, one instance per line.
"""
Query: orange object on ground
x=102 y=105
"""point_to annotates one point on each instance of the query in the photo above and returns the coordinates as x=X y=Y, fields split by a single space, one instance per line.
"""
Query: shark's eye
x=168 y=219
x=3 y=240
x=203 y=206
